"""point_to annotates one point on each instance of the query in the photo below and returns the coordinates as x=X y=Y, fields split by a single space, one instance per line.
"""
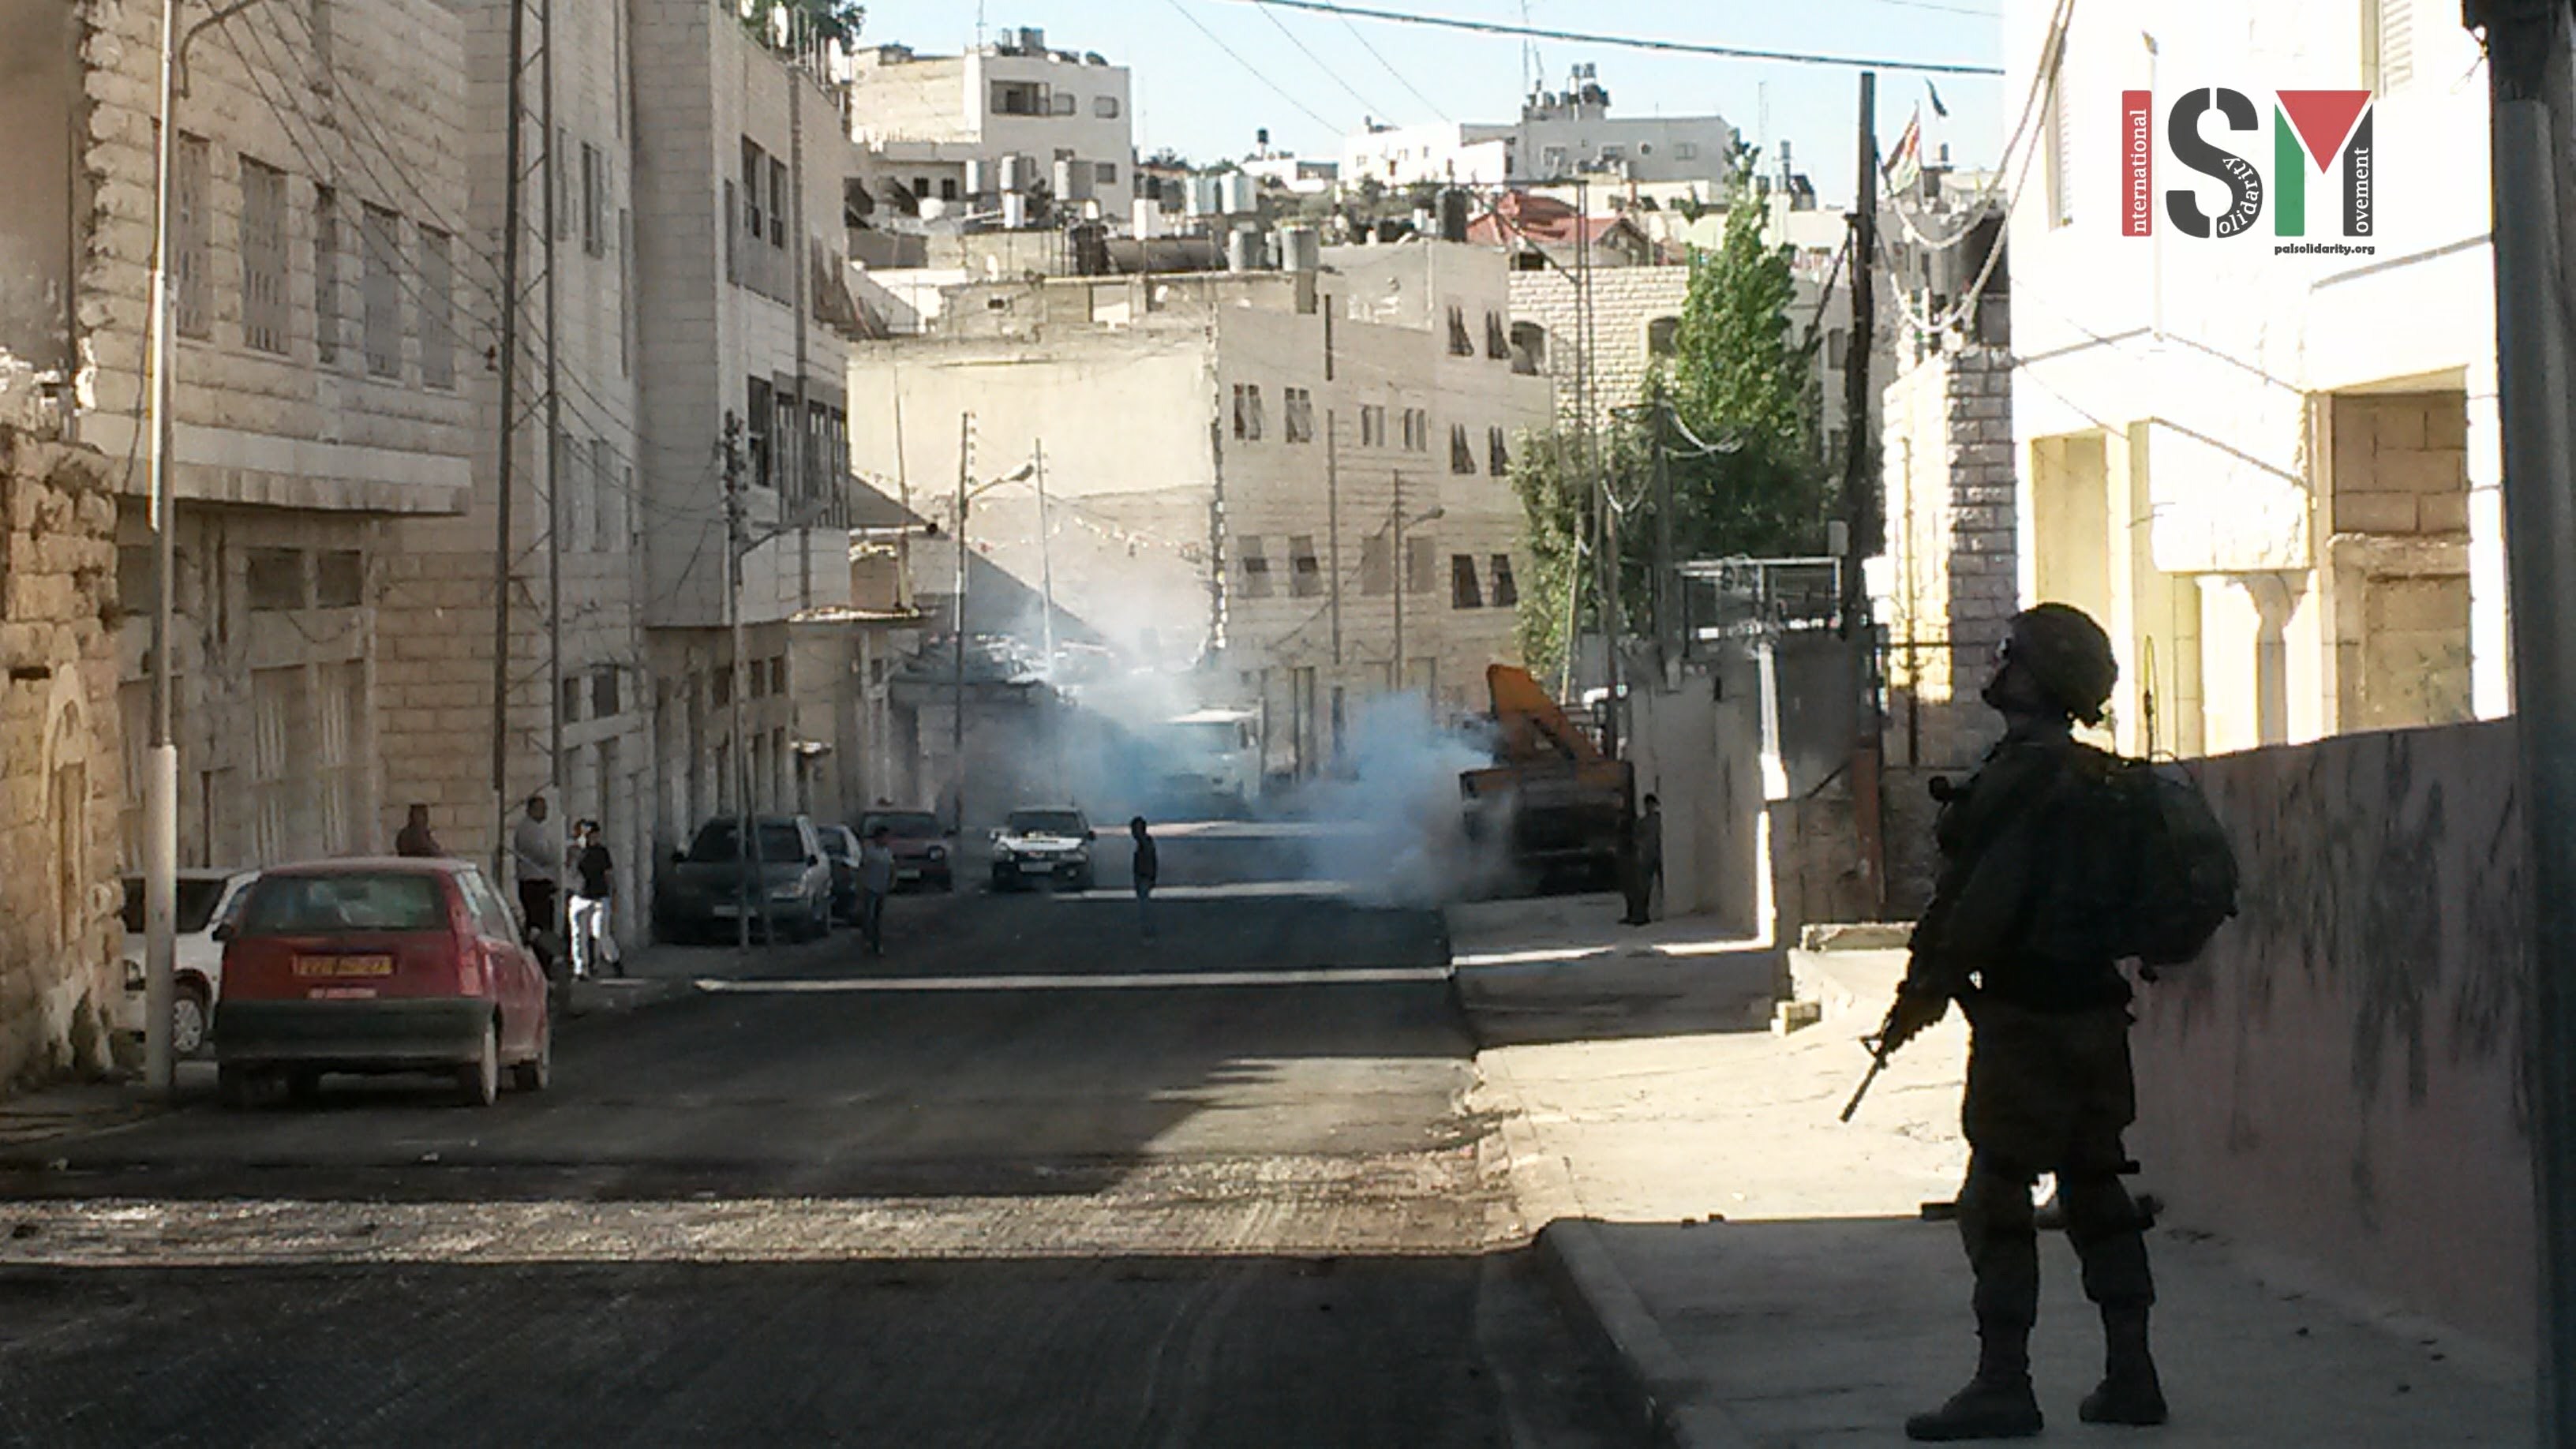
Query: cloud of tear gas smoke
x=1402 y=834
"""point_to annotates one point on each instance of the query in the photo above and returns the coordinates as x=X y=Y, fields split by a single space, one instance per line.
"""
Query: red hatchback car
x=379 y=966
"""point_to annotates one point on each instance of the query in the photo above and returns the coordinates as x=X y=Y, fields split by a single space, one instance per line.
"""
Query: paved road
x=1028 y=1179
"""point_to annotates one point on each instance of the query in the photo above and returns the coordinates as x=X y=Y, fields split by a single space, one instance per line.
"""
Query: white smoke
x=1399 y=833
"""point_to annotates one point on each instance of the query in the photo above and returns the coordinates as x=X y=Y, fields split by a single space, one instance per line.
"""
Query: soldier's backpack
x=2138 y=866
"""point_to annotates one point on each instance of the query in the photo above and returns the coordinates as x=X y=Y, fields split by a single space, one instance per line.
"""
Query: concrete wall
x=59 y=768
x=2339 y=1081
x=1698 y=748
x=1951 y=546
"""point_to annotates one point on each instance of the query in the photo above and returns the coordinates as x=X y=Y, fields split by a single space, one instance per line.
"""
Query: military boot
x=1996 y=1404
x=2129 y=1392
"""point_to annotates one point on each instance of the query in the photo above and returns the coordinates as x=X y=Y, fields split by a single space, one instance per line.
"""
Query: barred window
x=1498 y=453
x=191 y=239
x=381 y=284
x=326 y=275
x=1462 y=454
x=263 y=257
x=1297 y=416
x=1377 y=567
x=1372 y=426
x=437 y=310
x=1464 y=592
x=1256 y=568
x=1305 y=570
x=1506 y=591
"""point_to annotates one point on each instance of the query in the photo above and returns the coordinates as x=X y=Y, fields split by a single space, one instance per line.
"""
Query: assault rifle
x=1879 y=1052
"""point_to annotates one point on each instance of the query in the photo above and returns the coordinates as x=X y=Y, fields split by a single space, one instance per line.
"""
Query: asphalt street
x=1027 y=1179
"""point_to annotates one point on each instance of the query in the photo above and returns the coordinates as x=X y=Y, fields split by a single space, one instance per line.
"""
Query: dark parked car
x=378 y=966
x=922 y=855
x=841 y=849
x=786 y=881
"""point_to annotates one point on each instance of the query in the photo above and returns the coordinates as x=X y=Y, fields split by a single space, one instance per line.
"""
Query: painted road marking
x=1134 y=981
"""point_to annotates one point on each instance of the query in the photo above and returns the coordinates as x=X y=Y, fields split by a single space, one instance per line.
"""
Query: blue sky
x=1192 y=96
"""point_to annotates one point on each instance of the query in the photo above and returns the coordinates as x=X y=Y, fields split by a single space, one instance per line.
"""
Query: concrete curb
x=1654 y=1387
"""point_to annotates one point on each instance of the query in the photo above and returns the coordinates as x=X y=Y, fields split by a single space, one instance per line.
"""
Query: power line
x=1321 y=64
x=1391 y=70
x=1255 y=71
x=1630 y=42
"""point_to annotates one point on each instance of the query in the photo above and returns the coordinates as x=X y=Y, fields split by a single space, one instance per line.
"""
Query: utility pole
x=1664 y=606
x=1046 y=557
x=737 y=531
x=2533 y=101
x=957 y=682
x=1860 y=497
x=161 y=773
x=1333 y=530
x=505 y=467
x=554 y=427
x=1603 y=504
x=801 y=437
x=1395 y=679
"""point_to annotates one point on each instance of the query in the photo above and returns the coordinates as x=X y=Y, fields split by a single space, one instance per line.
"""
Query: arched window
x=1663 y=336
x=1529 y=348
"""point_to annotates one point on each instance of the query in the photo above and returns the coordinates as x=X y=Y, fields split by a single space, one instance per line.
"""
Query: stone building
x=954 y=134
x=60 y=773
x=1951 y=576
x=319 y=311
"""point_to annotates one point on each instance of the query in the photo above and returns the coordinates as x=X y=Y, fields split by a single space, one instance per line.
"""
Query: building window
x=1247 y=411
x=278 y=747
x=191 y=239
x=1377 y=570
x=609 y=518
x=755 y=177
x=1105 y=107
x=1462 y=454
x=1019 y=98
x=437 y=310
x=778 y=675
x=757 y=412
x=343 y=755
x=1460 y=344
x=626 y=292
x=1506 y=592
x=1685 y=150
x=1498 y=453
x=1256 y=568
x=777 y=203
x=948 y=188
x=1105 y=173
x=1498 y=342
x=1372 y=426
x=1297 y=416
x=380 y=287
x=275 y=579
x=1837 y=344
x=1305 y=571
x=326 y=275
x=594 y=200
x=2387 y=44
x=1062 y=104
x=603 y=693
x=559 y=175
x=1420 y=555
x=1417 y=430
x=263 y=257
x=719 y=695
x=339 y=579
x=568 y=699
x=1663 y=336
x=1463 y=590
x=2059 y=128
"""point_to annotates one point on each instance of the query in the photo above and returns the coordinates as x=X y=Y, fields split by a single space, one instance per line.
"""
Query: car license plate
x=344 y=965
x=907 y=875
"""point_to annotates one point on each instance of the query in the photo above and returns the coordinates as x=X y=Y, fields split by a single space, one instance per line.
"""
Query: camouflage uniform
x=2049 y=1086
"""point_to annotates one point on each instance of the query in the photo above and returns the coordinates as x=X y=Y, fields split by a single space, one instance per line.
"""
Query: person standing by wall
x=538 y=865
x=416 y=839
x=876 y=882
x=1646 y=865
x=594 y=881
x=1148 y=871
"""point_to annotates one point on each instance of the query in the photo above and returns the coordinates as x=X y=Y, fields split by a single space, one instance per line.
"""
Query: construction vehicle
x=1561 y=804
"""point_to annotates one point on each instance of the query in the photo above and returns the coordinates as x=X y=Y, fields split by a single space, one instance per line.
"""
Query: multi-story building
x=1008 y=119
x=324 y=325
x=742 y=152
x=2273 y=474
x=576 y=664
x=1559 y=134
x=1293 y=482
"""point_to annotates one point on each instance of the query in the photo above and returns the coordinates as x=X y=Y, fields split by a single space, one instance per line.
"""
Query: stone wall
x=1951 y=545
x=1625 y=302
x=59 y=760
x=2339 y=1081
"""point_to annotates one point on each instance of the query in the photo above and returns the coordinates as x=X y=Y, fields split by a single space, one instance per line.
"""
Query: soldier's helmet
x=2067 y=654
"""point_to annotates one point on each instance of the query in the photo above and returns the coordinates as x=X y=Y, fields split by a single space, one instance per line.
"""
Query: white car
x=1042 y=846
x=206 y=898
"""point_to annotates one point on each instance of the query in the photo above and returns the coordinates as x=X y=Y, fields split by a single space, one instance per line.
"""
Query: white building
x=1295 y=482
x=1011 y=118
x=2274 y=475
x=1559 y=134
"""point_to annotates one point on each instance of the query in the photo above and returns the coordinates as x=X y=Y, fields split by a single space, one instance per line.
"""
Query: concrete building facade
x=1559 y=134
x=318 y=353
x=960 y=131
x=2276 y=469
x=1288 y=487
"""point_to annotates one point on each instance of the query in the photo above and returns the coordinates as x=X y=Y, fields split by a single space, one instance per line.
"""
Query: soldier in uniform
x=2049 y=1087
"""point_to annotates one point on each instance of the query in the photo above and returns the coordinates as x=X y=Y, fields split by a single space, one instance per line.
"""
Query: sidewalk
x=1760 y=1274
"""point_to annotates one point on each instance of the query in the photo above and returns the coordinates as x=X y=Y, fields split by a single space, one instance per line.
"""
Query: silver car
x=787 y=884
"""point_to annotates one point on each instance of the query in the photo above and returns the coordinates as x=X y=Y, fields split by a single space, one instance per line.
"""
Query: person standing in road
x=537 y=865
x=876 y=882
x=416 y=838
x=594 y=882
x=1147 y=871
x=1646 y=868
x=2049 y=1086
